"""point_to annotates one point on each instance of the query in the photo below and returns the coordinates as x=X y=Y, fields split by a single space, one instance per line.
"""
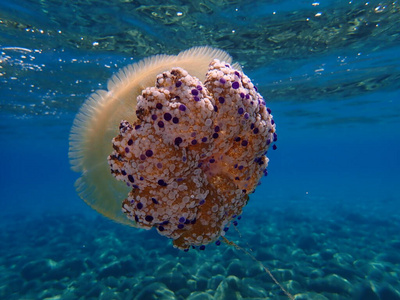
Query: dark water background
x=331 y=75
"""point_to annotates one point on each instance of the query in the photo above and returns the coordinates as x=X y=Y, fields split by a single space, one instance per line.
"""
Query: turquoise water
x=325 y=220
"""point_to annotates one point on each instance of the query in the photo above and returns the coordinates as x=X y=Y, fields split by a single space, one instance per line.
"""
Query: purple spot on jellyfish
x=167 y=117
x=178 y=141
x=149 y=153
x=131 y=179
x=178 y=83
x=235 y=85
x=162 y=182
x=182 y=107
x=221 y=100
x=195 y=92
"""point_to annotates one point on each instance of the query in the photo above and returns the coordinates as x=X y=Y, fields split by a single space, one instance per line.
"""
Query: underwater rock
x=218 y=269
x=228 y=289
x=117 y=269
x=389 y=293
x=36 y=269
x=175 y=279
x=215 y=281
x=253 y=289
x=365 y=292
x=236 y=268
x=157 y=291
x=283 y=274
x=308 y=243
x=331 y=284
x=199 y=296
x=311 y=296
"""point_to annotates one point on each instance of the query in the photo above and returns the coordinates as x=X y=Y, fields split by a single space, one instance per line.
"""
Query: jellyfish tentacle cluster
x=194 y=154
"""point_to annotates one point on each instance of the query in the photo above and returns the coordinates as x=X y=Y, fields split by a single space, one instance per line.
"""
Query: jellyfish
x=176 y=143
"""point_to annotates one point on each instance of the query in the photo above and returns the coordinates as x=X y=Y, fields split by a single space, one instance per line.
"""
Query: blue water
x=325 y=220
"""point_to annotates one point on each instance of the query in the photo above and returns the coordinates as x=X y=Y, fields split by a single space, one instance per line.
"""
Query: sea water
x=325 y=220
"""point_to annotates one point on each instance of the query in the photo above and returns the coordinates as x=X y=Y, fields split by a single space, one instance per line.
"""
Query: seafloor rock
x=36 y=269
x=117 y=269
x=157 y=291
x=388 y=293
x=391 y=257
x=283 y=274
x=327 y=254
x=236 y=268
x=253 y=289
x=228 y=289
x=199 y=296
x=308 y=243
x=371 y=270
x=310 y=296
x=175 y=278
x=182 y=293
x=215 y=281
x=344 y=260
x=108 y=294
x=218 y=269
x=365 y=292
x=265 y=254
x=331 y=284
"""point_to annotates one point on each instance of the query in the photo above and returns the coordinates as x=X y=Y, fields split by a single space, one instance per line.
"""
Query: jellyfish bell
x=177 y=143
x=98 y=120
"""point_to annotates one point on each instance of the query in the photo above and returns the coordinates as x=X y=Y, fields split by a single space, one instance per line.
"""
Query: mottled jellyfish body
x=177 y=143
